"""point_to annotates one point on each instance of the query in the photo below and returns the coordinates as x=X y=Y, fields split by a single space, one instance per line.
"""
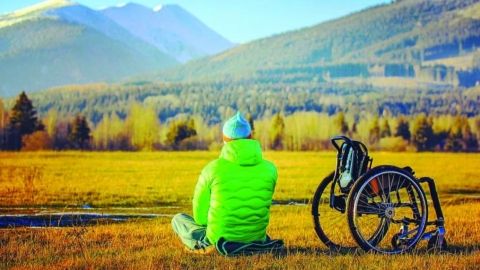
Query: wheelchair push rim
x=329 y=223
x=387 y=196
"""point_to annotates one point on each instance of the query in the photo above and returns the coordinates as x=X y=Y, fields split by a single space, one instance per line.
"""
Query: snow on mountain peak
x=33 y=11
x=158 y=8
x=42 y=6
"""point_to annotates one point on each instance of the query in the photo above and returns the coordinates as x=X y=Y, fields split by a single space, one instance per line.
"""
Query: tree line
x=214 y=101
x=303 y=131
x=142 y=129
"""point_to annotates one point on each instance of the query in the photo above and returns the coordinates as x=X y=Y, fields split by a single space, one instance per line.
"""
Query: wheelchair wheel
x=329 y=223
x=390 y=196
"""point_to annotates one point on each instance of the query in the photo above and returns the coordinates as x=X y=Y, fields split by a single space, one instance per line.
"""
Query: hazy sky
x=241 y=20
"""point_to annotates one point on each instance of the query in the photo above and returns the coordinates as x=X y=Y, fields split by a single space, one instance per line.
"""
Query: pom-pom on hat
x=237 y=127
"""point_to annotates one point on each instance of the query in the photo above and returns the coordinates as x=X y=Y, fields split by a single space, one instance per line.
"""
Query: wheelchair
x=383 y=209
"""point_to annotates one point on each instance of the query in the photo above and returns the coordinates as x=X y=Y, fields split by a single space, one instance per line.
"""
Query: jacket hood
x=244 y=152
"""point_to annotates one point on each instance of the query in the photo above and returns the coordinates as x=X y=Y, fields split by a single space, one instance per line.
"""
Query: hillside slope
x=384 y=41
x=58 y=42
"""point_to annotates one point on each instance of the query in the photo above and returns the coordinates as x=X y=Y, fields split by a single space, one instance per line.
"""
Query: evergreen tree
x=23 y=121
x=403 y=129
x=277 y=132
x=423 y=137
x=454 y=141
x=79 y=133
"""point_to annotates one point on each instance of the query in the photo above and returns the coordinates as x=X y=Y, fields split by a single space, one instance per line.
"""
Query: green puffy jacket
x=234 y=193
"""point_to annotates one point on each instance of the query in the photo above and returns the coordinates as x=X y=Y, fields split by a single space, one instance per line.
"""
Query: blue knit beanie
x=237 y=127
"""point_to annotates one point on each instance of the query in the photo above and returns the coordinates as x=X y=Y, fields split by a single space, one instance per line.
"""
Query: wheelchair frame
x=435 y=237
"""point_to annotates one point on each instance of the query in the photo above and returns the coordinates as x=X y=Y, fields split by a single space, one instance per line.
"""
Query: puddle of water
x=68 y=219
x=298 y=202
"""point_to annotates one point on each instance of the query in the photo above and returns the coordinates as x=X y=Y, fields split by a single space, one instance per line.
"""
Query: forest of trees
x=142 y=129
x=213 y=102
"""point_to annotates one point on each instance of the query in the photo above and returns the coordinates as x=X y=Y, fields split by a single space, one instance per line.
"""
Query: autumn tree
x=144 y=127
x=277 y=132
x=79 y=133
x=354 y=128
x=374 y=131
x=60 y=140
x=476 y=126
x=51 y=122
x=180 y=130
x=23 y=121
x=3 y=123
x=118 y=135
x=38 y=140
x=111 y=133
x=340 y=123
x=101 y=134
x=3 y=114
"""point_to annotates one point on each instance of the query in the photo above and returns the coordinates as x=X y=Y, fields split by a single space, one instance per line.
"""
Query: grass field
x=163 y=183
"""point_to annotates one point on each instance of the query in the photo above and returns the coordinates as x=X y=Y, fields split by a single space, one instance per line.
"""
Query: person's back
x=241 y=185
x=233 y=195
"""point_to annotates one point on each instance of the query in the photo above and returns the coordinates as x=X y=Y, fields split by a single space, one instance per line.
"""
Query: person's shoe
x=202 y=251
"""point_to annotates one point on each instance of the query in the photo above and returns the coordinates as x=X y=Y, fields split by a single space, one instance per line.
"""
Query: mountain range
x=59 y=42
x=169 y=28
x=404 y=44
x=416 y=41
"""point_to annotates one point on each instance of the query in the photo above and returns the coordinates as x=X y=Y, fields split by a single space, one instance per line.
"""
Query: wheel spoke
x=377 y=223
x=330 y=224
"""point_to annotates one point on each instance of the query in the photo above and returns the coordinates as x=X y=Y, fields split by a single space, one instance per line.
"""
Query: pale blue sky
x=241 y=20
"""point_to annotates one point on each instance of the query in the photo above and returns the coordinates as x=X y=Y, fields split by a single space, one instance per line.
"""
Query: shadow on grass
x=295 y=250
x=462 y=191
x=456 y=249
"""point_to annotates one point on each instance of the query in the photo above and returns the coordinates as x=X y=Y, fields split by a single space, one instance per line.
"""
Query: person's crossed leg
x=192 y=235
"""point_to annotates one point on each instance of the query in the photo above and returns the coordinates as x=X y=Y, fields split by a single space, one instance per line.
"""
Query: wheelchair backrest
x=352 y=161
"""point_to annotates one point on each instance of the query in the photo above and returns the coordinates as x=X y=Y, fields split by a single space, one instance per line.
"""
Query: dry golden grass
x=163 y=179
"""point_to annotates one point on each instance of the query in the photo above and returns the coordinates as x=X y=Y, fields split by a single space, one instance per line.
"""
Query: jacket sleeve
x=201 y=198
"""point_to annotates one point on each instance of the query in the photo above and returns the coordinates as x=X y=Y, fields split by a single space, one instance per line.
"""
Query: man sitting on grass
x=231 y=203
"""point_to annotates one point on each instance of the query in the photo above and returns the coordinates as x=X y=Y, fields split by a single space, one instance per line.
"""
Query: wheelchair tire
x=392 y=194
x=327 y=220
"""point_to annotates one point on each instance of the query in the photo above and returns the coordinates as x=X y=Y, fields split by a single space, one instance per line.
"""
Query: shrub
x=38 y=140
x=394 y=144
